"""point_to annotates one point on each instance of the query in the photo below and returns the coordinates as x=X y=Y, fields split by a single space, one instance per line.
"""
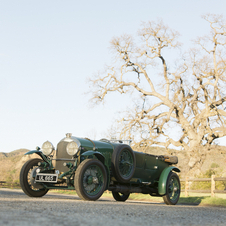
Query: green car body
x=91 y=167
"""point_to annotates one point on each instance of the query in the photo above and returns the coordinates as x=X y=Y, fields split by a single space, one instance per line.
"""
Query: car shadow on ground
x=191 y=201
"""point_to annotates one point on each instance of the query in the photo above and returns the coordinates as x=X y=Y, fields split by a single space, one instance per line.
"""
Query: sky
x=49 y=49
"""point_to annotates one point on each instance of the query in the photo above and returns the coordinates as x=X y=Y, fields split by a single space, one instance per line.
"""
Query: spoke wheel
x=27 y=179
x=90 y=179
x=123 y=163
x=172 y=189
x=121 y=197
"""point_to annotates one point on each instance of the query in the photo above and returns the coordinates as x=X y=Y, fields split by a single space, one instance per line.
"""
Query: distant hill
x=13 y=153
x=11 y=163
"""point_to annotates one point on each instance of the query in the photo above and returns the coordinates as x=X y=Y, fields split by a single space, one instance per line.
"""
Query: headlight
x=47 y=148
x=72 y=148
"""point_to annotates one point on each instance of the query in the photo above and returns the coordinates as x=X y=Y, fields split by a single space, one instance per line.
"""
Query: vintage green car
x=91 y=167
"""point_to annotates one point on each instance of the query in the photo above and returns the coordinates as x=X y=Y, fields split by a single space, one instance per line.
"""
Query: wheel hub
x=92 y=180
x=95 y=180
x=89 y=180
x=175 y=189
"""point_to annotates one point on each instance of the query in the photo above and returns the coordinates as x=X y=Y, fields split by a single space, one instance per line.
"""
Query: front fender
x=163 y=179
x=96 y=153
x=38 y=153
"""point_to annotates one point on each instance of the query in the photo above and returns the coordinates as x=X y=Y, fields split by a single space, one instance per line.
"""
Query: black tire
x=90 y=179
x=27 y=177
x=123 y=163
x=121 y=197
x=172 y=189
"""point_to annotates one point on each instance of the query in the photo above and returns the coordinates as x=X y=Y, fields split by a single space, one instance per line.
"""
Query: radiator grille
x=61 y=156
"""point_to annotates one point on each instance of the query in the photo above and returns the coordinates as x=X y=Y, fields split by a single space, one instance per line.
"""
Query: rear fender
x=163 y=179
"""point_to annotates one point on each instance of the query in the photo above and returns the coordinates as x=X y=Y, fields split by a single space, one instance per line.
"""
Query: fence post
x=186 y=187
x=212 y=185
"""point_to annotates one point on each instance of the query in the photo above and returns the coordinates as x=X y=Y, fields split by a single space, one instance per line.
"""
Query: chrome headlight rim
x=47 y=148
x=72 y=148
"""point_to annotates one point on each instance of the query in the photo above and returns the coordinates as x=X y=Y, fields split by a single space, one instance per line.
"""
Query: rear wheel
x=27 y=179
x=121 y=197
x=172 y=189
x=90 y=179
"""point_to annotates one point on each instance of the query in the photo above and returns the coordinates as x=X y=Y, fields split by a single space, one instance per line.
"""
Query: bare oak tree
x=191 y=93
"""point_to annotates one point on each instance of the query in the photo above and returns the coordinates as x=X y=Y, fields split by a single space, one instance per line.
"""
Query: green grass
x=192 y=199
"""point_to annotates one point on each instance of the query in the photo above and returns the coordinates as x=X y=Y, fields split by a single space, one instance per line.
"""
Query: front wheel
x=27 y=179
x=172 y=189
x=121 y=197
x=90 y=179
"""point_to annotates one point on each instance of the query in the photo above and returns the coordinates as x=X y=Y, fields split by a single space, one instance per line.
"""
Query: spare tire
x=123 y=163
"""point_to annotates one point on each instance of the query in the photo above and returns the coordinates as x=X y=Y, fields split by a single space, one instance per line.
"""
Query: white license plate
x=44 y=177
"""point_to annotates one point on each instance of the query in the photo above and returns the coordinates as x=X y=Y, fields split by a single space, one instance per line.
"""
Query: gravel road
x=55 y=209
